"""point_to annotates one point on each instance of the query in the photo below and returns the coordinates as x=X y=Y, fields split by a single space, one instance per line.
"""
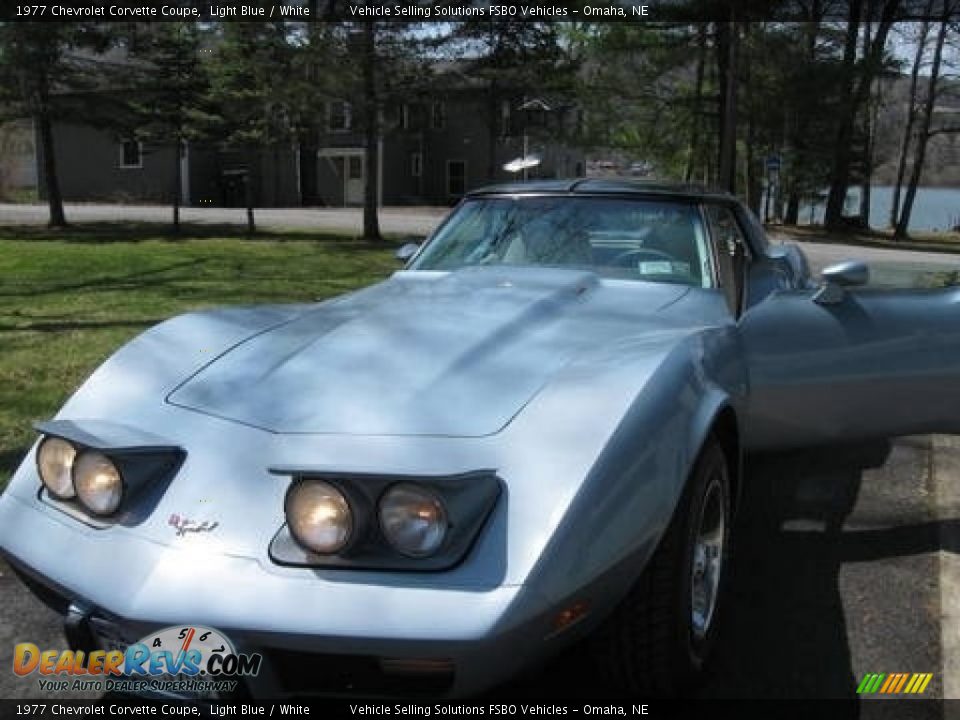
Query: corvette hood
x=455 y=354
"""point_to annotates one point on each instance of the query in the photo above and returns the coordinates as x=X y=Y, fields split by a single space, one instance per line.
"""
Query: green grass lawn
x=69 y=299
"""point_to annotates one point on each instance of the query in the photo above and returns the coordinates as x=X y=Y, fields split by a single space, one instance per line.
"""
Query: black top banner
x=420 y=11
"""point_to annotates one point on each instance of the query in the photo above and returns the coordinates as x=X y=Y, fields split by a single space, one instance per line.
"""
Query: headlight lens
x=98 y=483
x=319 y=516
x=413 y=520
x=54 y=462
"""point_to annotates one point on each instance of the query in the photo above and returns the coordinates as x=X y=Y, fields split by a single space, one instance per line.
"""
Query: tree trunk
x=248 y=190
x=727 y=69
x=868 y=130
x=371 y=223
x=792 y=216
x=697 y=112
x=855 y=94
x=866 y=184
x=493 y=109
x=799 y=142
x=911 y=119
x=178 y=183
x=840 y=170
x=924 y=135
x=752 y=179
x=51 y=181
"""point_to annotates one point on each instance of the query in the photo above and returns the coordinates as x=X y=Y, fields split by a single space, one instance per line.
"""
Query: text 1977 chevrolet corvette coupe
x=534 y=431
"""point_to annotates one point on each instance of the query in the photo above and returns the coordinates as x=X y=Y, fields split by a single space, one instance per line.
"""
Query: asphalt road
x=889 y=266
x=413 y=220
x=836 y=573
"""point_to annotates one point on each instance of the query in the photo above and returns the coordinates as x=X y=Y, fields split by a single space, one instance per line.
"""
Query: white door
x=353 y=183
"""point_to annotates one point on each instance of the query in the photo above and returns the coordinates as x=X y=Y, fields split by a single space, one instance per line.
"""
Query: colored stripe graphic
x=903 y=681
x=913 y=684
x=894 y=683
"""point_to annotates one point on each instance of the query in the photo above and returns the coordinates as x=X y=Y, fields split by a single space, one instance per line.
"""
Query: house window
x=412 y=116
x=416 y=164
x=456 y=178
x=438 y=116
x=338 y=116
x=131 y=154
x=356 y=167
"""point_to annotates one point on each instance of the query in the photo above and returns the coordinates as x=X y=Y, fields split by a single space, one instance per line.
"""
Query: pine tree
x=39 y=80
x=372 y=66
x=166 y=97
x=252 y=103
x=515 y=61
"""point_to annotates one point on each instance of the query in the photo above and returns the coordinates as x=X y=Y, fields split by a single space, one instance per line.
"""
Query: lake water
x=933 y=208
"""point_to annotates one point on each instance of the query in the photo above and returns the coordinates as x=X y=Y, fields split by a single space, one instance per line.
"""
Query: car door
x=852 y=363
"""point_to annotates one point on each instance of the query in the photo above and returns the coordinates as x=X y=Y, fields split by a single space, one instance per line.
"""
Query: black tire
x=649 y=646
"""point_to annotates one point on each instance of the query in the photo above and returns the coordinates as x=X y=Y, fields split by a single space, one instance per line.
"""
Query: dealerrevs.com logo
x=177 y=659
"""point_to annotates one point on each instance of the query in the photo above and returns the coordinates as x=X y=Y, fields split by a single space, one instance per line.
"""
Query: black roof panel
x=600 y=186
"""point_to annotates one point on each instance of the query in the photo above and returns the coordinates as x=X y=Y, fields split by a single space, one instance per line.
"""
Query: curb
x=946 y=481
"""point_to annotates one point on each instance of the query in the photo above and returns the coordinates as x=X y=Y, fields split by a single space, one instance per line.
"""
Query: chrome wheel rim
x=707 y=561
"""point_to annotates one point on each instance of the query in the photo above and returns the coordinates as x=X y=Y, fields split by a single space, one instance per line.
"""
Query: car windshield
x=648 y=240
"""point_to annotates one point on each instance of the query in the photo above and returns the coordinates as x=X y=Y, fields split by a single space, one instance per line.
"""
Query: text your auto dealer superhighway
x=141 y=11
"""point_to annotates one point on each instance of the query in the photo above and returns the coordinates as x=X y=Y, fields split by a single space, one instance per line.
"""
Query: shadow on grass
x=134 y=280
x=46 y=327
x=132 y=232
x=9 y=460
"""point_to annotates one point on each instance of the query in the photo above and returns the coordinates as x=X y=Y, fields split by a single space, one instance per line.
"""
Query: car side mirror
x=837 y=277
x=406 y=251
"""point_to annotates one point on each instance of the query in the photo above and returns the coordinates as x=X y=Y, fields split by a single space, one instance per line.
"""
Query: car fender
x=615 y=522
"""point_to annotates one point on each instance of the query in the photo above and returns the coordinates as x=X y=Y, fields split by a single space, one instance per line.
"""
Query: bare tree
x=697 y=110
x=926 y=121
x=911 y=115
x=727 y=43
x=854 y=94
x=371 y=132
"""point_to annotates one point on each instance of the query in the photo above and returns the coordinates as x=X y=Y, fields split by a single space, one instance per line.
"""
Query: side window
x=730 y=247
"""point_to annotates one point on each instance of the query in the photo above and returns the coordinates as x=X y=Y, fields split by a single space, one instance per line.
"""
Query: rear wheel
x=660 y=636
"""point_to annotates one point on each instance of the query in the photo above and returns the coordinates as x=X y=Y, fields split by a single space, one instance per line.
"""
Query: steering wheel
x=621 y=259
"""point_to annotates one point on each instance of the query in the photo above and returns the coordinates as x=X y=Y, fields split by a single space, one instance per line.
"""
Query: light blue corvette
x=534 y=432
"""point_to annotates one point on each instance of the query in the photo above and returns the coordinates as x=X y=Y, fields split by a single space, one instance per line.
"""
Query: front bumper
x=317 y=634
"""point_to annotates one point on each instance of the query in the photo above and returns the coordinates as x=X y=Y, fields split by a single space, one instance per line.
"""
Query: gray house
x=97 y=165
x=432 y=150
